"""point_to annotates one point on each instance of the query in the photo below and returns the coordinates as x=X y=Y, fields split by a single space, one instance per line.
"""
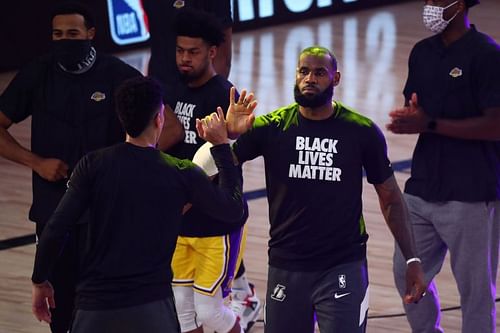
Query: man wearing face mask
x=69 y=96
x=453 y=102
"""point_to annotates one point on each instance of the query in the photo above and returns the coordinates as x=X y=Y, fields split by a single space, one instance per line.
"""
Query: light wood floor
x=372 y=47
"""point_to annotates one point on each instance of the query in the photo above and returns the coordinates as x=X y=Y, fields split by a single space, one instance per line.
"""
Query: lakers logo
x=279 y=293
x=179 y=4
x=456 y=72
x=98 y=96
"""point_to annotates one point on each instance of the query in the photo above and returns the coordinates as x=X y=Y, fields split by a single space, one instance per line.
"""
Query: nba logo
x=127 y=21
x=342 y=281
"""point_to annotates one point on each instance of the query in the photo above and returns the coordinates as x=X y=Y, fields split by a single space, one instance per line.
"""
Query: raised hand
x=409 y=119
x=212 y=128
x=51 y=169
x=240 y=116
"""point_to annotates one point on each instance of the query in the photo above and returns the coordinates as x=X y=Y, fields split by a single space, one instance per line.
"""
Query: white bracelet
x=414 y=259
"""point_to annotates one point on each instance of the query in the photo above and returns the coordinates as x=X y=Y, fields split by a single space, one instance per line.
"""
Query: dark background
x=25 y=24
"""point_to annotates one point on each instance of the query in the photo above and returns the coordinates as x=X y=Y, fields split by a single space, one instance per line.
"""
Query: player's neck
x=210 y=73
x=318 y=113
x=145 y=140
x=456 y=29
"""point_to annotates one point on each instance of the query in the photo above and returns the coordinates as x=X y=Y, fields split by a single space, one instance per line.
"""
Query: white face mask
x=433 y=17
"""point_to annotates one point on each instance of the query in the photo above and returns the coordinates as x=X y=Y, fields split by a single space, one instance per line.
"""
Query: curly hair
x=199 y=24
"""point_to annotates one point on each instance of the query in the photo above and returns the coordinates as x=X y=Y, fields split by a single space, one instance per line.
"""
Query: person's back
x=134 y=195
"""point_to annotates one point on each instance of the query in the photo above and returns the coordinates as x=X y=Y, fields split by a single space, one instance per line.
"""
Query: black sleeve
x=225 y=201
x=71 y=207
x=487 y=79
x=17 y=100
x=375 y=161
x=409 y=85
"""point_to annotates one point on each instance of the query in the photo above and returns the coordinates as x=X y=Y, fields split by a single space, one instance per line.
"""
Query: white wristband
x=414 y=259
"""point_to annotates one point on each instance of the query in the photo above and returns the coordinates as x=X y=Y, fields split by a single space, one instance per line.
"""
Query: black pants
x=64 y=278
x=155 y=317
x=337 y=297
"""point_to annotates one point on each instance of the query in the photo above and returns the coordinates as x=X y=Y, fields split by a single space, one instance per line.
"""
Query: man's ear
x=336 y=78
x=91 y=33
x=212 y=52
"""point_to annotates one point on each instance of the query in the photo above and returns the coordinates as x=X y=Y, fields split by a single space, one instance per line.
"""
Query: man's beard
x=193 y=75
x=313 y=101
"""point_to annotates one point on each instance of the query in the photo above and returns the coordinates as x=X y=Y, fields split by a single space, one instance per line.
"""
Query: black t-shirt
x=135 y=197
x=72 y=114
x=189 y=104
x=314 y=172
x=455 y=82
x=161 y=15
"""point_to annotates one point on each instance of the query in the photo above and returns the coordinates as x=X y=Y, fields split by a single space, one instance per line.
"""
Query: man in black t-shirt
x=207 y=254
x=315 y=151
x=452 y=98
x=69 y=96
x=161 y=15
x=135 y=195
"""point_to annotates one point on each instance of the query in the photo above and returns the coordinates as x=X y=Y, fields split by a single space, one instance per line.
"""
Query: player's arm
x=51 y=169
x=225 y=200
x=172 y=132
x=395 y=213
x=68 y=212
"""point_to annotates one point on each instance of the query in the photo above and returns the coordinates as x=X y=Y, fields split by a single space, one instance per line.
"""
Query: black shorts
x=337 y=298
x=154 y=317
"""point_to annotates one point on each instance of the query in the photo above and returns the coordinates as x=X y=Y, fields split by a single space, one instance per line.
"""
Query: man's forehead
x=310 y=60
x=74 y=20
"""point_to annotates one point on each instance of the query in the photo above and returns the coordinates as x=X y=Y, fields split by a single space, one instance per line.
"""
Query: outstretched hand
x=410 y=119
x=240 y=116
x=212 y=128
x=42 y=301
x=415 y=285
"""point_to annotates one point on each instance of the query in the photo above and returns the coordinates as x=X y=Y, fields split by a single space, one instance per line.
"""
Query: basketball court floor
x=372 y=47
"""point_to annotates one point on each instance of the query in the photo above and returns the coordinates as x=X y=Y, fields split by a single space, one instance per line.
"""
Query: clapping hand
x=410 y=119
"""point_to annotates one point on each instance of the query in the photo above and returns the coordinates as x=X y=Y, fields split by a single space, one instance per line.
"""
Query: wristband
x=414 y=259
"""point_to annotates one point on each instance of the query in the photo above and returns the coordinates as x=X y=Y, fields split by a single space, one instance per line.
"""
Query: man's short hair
x=138 y=100
x=194 y=23
x=319 y=51
x=70 y=7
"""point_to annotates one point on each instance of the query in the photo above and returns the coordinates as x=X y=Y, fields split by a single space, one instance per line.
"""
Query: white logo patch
x=279 y=293
x=337 y=295
x=342 y=281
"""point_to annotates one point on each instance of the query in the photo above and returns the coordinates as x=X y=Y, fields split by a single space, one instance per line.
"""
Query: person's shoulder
x=37 y=66
x=279 y=117
x=484 y=42
x=351 y=116
x=112 y=63
x=426 y=43
x=177 y=163
x=219 y=82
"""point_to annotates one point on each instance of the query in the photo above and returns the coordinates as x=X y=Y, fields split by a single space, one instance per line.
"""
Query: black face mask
x=313 y=101
x=70 y=52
